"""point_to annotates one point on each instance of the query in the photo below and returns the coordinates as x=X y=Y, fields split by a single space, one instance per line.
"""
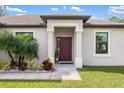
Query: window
x=25 y=33
x=101 y=42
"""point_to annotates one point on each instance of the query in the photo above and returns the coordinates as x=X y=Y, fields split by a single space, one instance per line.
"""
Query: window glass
x=25 y=33
x=101 y=42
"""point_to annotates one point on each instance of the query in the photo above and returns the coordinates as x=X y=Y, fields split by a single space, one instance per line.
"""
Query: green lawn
x=91 y=77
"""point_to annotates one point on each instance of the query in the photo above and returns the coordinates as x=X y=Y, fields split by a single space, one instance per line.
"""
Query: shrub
x=4 y=66
x=31 y=65
x=1 y=65
x=47 y=64
x=41 y=67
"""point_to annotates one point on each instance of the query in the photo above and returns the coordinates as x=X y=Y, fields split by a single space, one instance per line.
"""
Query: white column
x=51 y=45
x=78 y=49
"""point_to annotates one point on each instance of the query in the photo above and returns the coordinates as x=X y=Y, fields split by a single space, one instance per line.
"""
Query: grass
x=92 y=77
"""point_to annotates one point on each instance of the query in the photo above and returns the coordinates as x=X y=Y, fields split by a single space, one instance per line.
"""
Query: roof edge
x=84 y=17
x=104 y=25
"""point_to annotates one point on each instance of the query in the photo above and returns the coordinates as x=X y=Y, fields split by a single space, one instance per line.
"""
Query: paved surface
x=62 y=72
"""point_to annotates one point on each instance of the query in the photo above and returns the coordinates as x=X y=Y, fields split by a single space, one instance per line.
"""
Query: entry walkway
x=62 y=72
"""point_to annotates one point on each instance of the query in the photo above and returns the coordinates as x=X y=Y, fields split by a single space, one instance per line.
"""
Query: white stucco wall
x=39 y=33
x=116 y=45
x=64 y=23
x=116 y=57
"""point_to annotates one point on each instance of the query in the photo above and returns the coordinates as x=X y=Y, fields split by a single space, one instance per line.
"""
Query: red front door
x=64 y=46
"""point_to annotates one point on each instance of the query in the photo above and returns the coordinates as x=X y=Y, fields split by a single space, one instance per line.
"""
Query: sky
x=96 y=11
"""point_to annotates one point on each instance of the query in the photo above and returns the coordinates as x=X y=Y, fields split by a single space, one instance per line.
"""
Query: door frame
x=66 y=62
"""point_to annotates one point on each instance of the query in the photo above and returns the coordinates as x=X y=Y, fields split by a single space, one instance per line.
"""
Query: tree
x=7 y=42
x=19 y=48
x=26 y=48
x=121 y=21
x=3 y=9
x=114 y=19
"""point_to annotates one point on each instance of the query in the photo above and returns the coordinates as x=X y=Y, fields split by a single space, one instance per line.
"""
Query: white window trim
x=14 y=33
x=109 y=51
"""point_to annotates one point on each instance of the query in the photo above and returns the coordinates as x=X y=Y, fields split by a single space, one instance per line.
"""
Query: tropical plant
x=19 y=48
x=4 y=65
x=7 y=42
x=47 y=64
x=26 y=48
x=31 y=65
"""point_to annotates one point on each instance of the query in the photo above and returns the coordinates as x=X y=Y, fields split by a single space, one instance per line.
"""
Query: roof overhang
x=103 y=25
x=61 y=17
x=24 y=25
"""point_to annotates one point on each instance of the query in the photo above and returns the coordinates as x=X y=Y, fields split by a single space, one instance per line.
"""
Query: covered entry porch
x=65 y=37
x=64 y=45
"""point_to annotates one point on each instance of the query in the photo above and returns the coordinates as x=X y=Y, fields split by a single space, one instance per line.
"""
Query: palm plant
x=7 y=42
x=19 y=48
x=26 y=48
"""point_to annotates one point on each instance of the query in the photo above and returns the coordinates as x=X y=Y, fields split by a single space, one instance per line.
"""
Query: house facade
x=71 y=39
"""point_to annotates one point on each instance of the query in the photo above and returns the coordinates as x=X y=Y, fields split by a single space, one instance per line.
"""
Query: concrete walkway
x=62 y=72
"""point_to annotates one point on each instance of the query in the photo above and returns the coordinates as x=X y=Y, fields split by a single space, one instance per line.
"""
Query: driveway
x=62 y=72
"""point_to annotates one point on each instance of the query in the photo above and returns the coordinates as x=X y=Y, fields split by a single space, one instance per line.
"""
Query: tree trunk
x=12 y=62
x=22 y=65
x=19 y=63
x=10 y=55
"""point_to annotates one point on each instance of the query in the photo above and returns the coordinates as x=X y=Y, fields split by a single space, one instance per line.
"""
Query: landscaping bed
x=31 y=66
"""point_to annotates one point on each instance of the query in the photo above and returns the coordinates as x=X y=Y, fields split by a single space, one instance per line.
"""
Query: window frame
x=108 y=49
x=24 y=32
x=102 y=42
x=14 y=33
